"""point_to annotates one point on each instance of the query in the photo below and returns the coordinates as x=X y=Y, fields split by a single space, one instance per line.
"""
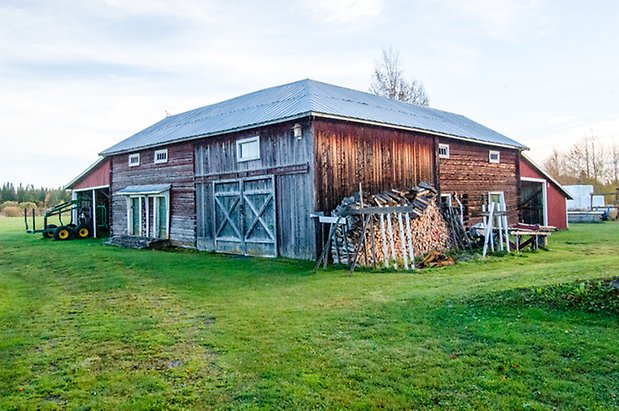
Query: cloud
x=605 y=130
x=505 y=20
x=560 y=120
x=203 y=11
x=342 y=11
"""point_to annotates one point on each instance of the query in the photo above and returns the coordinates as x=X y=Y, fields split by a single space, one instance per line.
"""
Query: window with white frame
x=161 y=217
x=248 y=149
x=446 y=199
x=148 y=215
x=494 y=156
x=134 y=160
x=498 y=199
x=134 y=215
x=161 y=156
x=443 y=150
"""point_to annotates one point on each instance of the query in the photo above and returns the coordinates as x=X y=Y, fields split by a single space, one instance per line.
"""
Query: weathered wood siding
x=97 y=177
x=379 y=158
x=178 y=171
x=281 y=155
x=467 y=170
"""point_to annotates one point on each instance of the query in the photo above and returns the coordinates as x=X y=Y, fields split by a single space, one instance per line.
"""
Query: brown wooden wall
x=467 y=170
x=281 y=155
x=347 y=154
x=178 y=171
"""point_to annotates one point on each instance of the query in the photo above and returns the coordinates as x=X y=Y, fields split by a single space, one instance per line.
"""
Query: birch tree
x=388 y=80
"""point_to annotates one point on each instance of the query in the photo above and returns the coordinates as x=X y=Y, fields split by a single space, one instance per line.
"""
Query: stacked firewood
x=437 y=259
x=428 y=229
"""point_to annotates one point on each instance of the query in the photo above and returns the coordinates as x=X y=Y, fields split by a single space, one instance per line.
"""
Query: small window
x=161 y=156
x=443 y=150
x=446 y=199
x=248 y=149
x=498 y=198
x=494 y=156
x=134 y=160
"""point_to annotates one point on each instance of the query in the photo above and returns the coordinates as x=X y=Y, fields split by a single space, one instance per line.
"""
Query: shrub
x=28 y=205
x=12 y=211
x=9 y=204
x=601 y=295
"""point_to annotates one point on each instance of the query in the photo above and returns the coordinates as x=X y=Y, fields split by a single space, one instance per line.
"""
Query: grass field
x=87 y=326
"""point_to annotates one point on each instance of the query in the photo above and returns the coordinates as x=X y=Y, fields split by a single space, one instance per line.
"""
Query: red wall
x=557 y=210
x=99 y=176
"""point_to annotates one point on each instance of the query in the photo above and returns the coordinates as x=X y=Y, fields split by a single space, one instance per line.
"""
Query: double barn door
x=244 y=216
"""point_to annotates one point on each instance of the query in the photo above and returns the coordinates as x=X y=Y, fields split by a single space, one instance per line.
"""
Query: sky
x=77 y=77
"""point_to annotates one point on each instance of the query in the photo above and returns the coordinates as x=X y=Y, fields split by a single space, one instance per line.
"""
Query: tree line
x=588 y=161
x=13 y=199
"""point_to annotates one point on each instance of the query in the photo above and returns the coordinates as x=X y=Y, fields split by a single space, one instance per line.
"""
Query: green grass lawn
x=88 y=326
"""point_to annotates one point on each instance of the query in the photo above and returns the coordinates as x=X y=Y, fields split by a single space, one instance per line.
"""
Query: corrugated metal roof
x=300 y=99
x=144 y=189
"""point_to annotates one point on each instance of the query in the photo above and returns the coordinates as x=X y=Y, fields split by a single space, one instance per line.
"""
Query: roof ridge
x=301 y=97
x=205 y=117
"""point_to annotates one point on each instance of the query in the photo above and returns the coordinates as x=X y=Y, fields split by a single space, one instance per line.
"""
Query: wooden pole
x=505 y=226
x=410 y=240
x=390 y=228
x=500 y=226
x=403 y=241
x=384 y=236
x=491 y=223
x=363 y=217
x=337 y=247
x=324 y=250
x=488 y=230
x=373 y=240
x=346 y=241
x=354 y=260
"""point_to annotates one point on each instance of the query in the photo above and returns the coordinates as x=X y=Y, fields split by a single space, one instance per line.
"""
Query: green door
x=135 y=215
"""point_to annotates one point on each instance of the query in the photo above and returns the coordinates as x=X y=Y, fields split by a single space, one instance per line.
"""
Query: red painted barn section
x=556 y=197
x=99 y=176
x=91 y=189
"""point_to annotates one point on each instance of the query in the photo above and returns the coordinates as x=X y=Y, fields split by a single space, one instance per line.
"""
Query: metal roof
x=144 y=189
x=301 y=99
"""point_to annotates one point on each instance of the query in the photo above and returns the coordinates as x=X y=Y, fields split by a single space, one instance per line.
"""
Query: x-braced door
x=244 y=216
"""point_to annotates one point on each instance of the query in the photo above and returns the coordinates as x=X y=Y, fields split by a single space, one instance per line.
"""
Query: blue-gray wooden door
x=244 y=216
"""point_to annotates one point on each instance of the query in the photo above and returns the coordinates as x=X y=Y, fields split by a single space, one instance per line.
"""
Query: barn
x=244 y=175
x=543 y=199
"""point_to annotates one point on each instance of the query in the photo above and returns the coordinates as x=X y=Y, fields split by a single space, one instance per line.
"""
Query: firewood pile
x=437 y=259
x=422 y=226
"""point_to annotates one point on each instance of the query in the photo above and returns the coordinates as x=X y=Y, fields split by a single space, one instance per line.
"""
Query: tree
x=388 y=81
x=554 y=164
x=614 y=161
x=587 y=161
x=8 y=192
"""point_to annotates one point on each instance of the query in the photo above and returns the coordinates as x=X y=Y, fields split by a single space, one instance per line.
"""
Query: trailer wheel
x=49 y=232
x=83 y=231
x=62 y=233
